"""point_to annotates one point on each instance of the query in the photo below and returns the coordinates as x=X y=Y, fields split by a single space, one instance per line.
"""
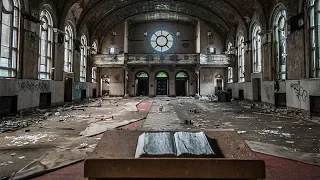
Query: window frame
x=83 y=58
x=256 y=49
x=68 y=46
x=241 y=61
x=13 y=44
x=280 y=37
x=47 y=45
x=314 y=23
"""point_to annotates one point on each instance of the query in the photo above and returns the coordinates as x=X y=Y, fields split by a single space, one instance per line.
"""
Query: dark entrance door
x=143 y=89
x=181 y=87
x=68 y=90
x=256 y=89
x=162 y=86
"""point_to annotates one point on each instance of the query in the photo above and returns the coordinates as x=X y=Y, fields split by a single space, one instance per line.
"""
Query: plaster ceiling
x=101 y=15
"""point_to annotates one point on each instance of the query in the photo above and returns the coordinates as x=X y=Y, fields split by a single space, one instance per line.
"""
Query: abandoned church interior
x=258 y=60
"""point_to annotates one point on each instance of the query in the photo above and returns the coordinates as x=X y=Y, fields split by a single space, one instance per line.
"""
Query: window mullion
x=316 y=31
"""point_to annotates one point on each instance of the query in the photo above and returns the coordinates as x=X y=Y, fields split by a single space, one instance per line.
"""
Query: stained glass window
x=182 y=75
x=162 y=75
x=142 y=75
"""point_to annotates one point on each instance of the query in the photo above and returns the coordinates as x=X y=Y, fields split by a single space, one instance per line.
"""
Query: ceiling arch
x=226 y=13
x=187 y=9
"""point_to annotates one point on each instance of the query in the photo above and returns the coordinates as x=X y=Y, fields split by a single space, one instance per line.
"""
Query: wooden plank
x=174 y=168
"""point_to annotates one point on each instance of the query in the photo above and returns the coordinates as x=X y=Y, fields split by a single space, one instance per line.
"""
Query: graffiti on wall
x=301 y=93
x=268 y=90
x=41 y=86
x=81 y=86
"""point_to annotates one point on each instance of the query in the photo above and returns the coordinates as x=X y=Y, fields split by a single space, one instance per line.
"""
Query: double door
x=162 y=86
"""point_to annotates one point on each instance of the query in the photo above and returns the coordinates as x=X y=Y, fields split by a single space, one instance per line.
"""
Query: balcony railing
x=104 y=60
x=163 y=59
x=215 y=60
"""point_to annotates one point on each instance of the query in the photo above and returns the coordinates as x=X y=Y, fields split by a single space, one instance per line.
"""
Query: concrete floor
x=58 y=135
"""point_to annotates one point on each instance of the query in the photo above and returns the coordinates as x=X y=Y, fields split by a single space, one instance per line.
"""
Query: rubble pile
x=26 y=118
x=267 y=109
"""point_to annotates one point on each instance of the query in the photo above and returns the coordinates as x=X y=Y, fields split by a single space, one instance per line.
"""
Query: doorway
x=162 y=83
x=256 y=83
x=181 y=84
x=142 y=84
x=68 y=90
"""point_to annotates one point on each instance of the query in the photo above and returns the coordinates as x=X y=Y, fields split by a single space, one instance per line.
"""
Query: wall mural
x=41 y=86
x=301 y=93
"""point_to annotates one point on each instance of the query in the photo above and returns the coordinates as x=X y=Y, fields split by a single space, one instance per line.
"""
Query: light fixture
x=145 y=33
x=114 y=33
x=178 y=32
x=209 y=33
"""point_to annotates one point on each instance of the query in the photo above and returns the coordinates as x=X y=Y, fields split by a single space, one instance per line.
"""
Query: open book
x=169 y=144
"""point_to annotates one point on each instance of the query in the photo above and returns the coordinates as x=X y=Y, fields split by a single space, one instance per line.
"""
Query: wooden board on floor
x=114 y=158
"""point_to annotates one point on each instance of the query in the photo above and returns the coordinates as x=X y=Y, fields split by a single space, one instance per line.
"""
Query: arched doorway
x=142 y=84
x=162 y=79
x=182 y=83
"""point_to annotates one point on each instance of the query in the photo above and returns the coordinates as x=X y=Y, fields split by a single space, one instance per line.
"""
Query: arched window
x=94 y=50
x=314 y=14
x=280 y=36
x=256 y=48
x=68 y=49
x=83 y=60
x=10 y=18
x=45 y=46
x=142 y=75
x=230 y=69
x=241 y=58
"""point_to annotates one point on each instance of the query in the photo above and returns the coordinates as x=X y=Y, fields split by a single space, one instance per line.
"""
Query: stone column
x=58 y=54
x=126 y=81
x=198 y=34
x=126 y=36
x=197 y=71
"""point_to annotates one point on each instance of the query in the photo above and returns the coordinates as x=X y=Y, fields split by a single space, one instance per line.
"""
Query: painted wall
x=113 y=41
x=208 y=80
x=116 y=76
x=299 y=92
x=138 y=43
x=192 y=82
x=214 y=40
x=28 y=91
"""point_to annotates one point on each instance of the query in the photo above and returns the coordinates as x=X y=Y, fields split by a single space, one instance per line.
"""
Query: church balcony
x=216 y=60
x=106 y=60
x=163 y=59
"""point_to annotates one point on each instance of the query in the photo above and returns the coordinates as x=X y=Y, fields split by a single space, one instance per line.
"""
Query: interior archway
x=182 y=79
x=142 y=84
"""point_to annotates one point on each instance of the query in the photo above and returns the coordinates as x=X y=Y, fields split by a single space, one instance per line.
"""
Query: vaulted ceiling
x=101 y=15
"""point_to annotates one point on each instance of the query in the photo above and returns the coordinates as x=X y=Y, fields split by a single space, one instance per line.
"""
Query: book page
x=192 y=144
x=155 y=145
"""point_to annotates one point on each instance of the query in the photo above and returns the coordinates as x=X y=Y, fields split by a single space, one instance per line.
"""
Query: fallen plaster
x=52 y=161
x=284 y=152
x=102 y=126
